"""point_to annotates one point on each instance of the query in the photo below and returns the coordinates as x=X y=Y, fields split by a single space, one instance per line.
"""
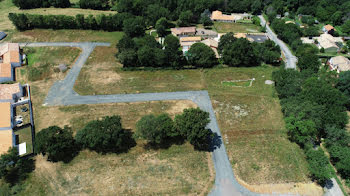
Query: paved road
x=291 y=60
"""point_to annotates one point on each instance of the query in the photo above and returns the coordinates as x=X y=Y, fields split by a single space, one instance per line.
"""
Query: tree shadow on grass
x=19 y=171
x=165 y=145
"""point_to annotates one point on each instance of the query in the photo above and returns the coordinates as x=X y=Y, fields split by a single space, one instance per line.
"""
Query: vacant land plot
x=247 y=116
x=225 y=27
x=6 y=7
x=178 y=170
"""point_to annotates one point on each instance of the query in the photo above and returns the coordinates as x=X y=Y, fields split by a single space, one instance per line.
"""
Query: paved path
x=291 y=60
x=62 y=93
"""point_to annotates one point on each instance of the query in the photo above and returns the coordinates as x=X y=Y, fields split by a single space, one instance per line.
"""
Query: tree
x=346 y=27
x=161 y=27
x=310 y=62
x=205 y=18
x=173 y=52
x=302 y=132
x=154 y=12
x=227 y=39
x=57 y=143
x=336 y=136
x=344 y=85
x=60 y=3
x=106 y=135
x=287 y=82
x=201 y=55
x=13 y=168
x=134 y=27
x=125 y=43
x=185 y=18
x=240 y=53
x=191 y=124
x=94 y=4
x=318 y=165
x=128 y=58
x=157 y=130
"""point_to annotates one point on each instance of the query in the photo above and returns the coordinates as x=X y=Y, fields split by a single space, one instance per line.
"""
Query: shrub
x=106 y=135
x=201 y=55
x=318 y=165
x=57 y=143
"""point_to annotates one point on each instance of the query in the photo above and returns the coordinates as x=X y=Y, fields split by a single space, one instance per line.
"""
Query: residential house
x=328 y=42
x=10 y=58
x=339 y=63
x=183 y=31
x=187 y=42
x=328 y=29
x=220 y=17
x=213 y=45
x=12 y=97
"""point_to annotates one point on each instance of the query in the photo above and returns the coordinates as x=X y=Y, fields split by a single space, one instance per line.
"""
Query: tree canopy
x=201 y=55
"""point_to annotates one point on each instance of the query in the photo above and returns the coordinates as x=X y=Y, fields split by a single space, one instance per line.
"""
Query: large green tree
x=318 y=165
x=173 y=52
x=185 y=18
x=201 y=55
x=106 y=135
x=309 y=62
x=344 y=85
x=157 y=130
x=161 y=27
x=240 y=53
x=191 y=124
x=57 y=143
x=134 y=27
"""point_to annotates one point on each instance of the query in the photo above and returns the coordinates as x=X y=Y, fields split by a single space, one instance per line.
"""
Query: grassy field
x=178 y=170
x=6 y=7
x=225 y=27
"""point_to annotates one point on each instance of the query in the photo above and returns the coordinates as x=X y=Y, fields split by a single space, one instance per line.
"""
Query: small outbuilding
x=339 y=63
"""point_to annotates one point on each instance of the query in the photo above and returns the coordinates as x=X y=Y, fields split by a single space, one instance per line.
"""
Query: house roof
x=181 y=30
x=217 y=15
x=327 y=41
x=7 y=90
x=11 y=57
x=190 y=39
x=5 y=114
x=5 y=70
x=211 y=43
x=340 y=63
x=5 y=140
x=328 y=27
x=9 y=47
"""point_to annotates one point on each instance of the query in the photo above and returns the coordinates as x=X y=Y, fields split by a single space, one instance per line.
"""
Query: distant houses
x=10 y=58
x=213 y=44
x=339 y=64
x=183 y=31
x=187 y=42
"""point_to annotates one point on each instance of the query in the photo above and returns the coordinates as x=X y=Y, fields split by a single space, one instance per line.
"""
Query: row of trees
x=314 y=109
x=94 y=4
x=30 y=4
x=162 y=131
x=100 y=22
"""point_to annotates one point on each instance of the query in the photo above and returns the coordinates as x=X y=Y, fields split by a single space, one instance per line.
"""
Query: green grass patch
x=225 y=27
x=237 y=84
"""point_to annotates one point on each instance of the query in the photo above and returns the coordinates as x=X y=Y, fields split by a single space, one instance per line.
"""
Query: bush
x=57 y=143
x=94 y=4
x=201 y=55
x=13 y=168
x=157 y=130
x=106 y=135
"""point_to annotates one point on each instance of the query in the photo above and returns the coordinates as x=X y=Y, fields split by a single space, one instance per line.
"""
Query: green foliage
x=30 y=4
x=14 y=169
x=287 y=82
x=346 y=27
x=344 y=85
x=318 y=165
x=134 y=27
x=173 y=52
x=154 y=12
x=201 y=55
x=102 y=22
x=191 y=124
x=161 y=27
x=226 y=40
x=106 y=135
x=185 y=18
x=157 y=130
x=309 y=62
x=240 y=53
x=57 y=143
x=301 y=131
x=94 y=4
x=205 y=18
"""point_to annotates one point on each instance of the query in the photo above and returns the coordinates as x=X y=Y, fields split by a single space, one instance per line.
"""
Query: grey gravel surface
x=291 y=60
